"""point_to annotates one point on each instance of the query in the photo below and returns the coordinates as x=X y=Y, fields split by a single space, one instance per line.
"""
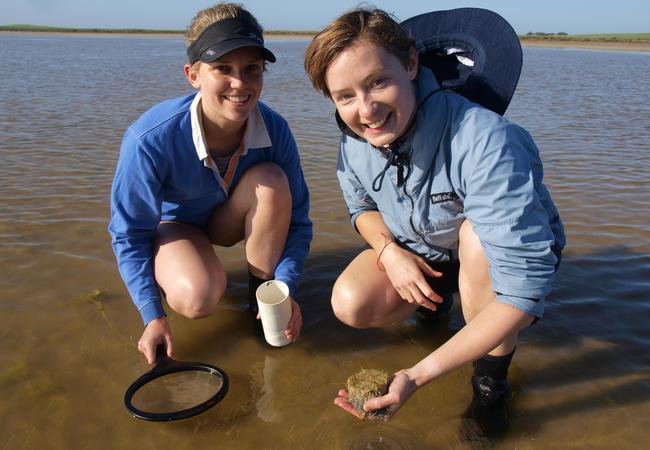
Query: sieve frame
x=166 y=366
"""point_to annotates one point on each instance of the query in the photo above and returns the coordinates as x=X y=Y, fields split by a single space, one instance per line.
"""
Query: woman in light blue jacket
x=448 y=193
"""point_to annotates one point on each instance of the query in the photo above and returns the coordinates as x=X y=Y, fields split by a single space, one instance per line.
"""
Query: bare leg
x=259 y=212
x=363 y=296
x=475 y=284
x=187 y=269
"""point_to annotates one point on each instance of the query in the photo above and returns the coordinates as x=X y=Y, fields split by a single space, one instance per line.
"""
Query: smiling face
x=230 y=86
x=373 y=92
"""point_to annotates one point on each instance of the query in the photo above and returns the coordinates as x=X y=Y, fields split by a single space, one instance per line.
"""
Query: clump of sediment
x=364 y=385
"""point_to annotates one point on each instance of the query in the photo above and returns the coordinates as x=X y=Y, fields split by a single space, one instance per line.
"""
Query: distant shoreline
x=548 y=42
x=273 y=35
x=592 y=44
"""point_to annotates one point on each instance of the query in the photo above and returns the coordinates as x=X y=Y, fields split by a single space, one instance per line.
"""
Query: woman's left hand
x=407 y=273
x=401 y=388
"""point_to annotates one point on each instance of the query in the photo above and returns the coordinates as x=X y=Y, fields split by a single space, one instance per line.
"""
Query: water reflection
x=176 y=392
x=580 y=378
x=268 y=404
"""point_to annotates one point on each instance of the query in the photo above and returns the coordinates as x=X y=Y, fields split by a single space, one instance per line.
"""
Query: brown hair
x=371 y=24
x=206 y=17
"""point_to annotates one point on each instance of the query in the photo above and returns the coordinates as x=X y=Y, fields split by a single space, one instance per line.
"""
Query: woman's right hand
x=400 y=388
x=156 y=332
x=406 y=271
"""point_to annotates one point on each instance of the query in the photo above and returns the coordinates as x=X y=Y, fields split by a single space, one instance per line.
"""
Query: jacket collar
x=256 y=134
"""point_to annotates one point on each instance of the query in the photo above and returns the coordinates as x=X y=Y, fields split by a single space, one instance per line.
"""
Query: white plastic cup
x=275 y=311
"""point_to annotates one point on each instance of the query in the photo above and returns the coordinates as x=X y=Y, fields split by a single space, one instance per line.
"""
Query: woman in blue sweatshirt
x=212 y=168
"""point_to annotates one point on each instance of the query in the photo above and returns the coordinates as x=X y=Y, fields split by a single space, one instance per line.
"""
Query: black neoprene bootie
x=485 y=423
x=490 y=378
x=488 y=390
x=443 y=308
x=487 y=417
x=253 y=283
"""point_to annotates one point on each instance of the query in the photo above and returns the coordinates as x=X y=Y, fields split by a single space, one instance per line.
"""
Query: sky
x=549 y=16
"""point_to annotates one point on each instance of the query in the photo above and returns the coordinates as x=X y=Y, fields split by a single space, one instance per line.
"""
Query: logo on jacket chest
x=443 y=197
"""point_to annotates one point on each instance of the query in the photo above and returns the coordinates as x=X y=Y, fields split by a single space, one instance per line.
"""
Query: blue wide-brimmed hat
x=472 y=51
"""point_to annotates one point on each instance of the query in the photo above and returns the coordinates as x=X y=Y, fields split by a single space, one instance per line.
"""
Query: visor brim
x=220 y=49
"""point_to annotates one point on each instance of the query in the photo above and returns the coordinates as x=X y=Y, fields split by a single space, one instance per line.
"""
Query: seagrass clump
x=364 y=385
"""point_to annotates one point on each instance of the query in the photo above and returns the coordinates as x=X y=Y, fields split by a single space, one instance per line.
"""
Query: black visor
x=225 y=36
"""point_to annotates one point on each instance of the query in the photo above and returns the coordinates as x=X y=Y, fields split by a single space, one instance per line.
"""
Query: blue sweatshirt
x=163 y=174
x=463 y=162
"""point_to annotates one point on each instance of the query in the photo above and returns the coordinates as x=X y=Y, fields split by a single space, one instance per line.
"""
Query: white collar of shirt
x=255 y=136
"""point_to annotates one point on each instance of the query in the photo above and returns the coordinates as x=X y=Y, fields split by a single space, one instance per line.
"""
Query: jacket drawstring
x=400 y=161
x=394 y=159
x=380 y=178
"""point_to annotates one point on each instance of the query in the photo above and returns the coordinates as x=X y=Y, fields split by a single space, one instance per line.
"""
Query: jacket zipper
x=449 y=252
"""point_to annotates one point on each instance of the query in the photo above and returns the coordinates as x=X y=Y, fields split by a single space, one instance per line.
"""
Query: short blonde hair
x=373 y=25
x=206 y=17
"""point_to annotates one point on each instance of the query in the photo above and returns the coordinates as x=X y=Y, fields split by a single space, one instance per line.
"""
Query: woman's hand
x=342 y=402
x=406 y=271
x=157 y=332
x=401 y=387
x=295 y=323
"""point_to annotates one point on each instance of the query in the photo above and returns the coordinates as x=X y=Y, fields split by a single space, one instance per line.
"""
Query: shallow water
x=69 y=331
x=176 y=392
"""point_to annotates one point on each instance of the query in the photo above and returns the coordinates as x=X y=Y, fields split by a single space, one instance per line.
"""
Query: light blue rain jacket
x=462 y=162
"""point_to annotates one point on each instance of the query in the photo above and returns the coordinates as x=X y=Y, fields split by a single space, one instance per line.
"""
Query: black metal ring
x=166 y=369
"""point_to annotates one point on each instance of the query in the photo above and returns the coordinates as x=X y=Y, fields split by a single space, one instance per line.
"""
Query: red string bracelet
x=387 y=242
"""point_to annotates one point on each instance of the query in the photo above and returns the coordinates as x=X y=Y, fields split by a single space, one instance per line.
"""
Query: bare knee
x=196 y=300
x=474 y=280
x=347 y=307
x=270 y=184
x=471 y=254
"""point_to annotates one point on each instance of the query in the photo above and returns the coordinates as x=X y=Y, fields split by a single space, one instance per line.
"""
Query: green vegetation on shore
x=49 y=29
x=611 y=37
